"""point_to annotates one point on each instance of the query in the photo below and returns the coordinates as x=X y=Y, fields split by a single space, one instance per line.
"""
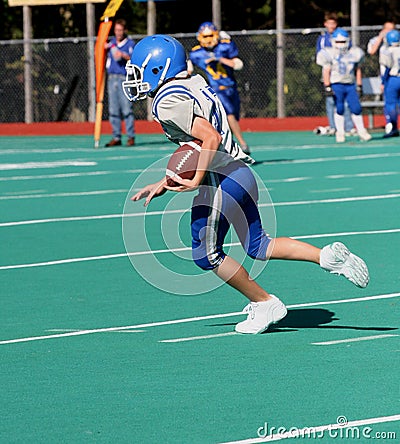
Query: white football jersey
x=390 y=59
x=343 y=65
x=178 y=102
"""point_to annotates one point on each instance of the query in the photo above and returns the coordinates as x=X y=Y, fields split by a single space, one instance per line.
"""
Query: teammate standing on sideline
x=119 y=49
x=325 y=41
x=187 y=108
x=389 y=58
x=218 y=57
x=379 y=42
x=343 y=81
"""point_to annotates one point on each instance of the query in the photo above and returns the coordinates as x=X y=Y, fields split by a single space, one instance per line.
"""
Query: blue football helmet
x=393 y=38
x=208 y=35
x=154 y=60
x=340 y=39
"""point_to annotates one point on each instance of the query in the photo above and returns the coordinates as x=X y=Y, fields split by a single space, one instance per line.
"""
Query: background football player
x=217 y=56
x=343 y=81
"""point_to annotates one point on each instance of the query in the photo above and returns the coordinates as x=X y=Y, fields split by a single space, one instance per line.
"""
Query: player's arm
x=235 y=63
x=326 y=75
x=359 y=79
x=375 y=43
x=204 y=131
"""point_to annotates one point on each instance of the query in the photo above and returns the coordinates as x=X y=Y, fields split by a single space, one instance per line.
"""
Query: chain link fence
x=62 y=91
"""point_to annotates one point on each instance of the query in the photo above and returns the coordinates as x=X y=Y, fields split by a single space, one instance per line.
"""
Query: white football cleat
x=340 y=137
x=364 y=135
x=337 y=259
x=261 y=315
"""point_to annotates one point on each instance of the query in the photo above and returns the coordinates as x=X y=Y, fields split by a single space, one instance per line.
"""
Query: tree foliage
x=177 y=16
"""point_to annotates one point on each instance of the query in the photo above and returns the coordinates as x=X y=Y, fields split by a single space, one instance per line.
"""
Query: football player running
x=218 y=57
x=343 y=81
x=227 y=194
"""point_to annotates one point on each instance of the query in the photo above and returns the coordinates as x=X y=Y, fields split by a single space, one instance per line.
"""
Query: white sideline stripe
x=183 y=210
x=361 y=338
x=173 y=250
x=82 y=174
x=333 y=200
x=137 y=171
x=349 y=176
x=152 y=213
x=61 y=330
x=33 y=165
x=316 y=429
x=196 y=338
x=185 y=320
x=329 y=159
x=80 y=193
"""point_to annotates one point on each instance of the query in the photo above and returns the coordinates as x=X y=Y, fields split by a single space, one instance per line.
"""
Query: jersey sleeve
x=385 y=57
x=359 y=54
x=323 y=58
x=232 y=50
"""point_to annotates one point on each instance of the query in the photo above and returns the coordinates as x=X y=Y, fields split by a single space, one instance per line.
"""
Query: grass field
x=93 y=352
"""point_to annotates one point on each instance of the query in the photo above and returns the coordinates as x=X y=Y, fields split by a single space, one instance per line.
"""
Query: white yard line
x=359 y=339
x=165 y=212
x=173 y=250
x=196 y=338
x=185 y=320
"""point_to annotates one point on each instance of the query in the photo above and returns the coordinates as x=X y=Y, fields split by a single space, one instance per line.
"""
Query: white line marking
x=333 y=200
x=331 y=190
x=183 y=210
x=81 y=193
x=329 y=159
x=34 y=165
x=63 y=330
x=361 y=338
x=350 y=176
x=196 y=338
x=138 y=171
x=81 y=174
x=194 y=319
x=173 y=250
x=305 y=432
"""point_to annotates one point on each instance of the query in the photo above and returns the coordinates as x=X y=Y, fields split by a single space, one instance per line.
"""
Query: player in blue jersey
x=325 y=41
x=389 y=58
x=342 y=80
x=379 y=43
x=218 y=57
x=227 y=194
x=119 y=49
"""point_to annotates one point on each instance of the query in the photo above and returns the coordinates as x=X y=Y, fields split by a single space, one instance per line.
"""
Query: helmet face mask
x=154 y=60
x=340 y=40
x=134 y=87
x=207 y=35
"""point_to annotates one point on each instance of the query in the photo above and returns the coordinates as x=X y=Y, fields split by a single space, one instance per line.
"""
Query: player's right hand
x=150 y=191
x=329 y=91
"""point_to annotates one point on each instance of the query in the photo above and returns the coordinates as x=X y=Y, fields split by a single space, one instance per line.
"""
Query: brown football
x=183 y=162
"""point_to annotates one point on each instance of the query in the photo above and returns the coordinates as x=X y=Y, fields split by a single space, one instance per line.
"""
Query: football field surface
x=106 y=341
